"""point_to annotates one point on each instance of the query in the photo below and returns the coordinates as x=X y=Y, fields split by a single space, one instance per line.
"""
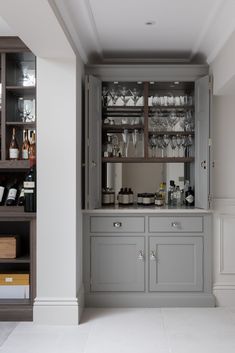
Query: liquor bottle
x=171 y=192
x=2 y=192
x=32 y=150
x=25 y=146
x=21 y=197
x=162 y=192
x=13 y=148
x=30 y=191
x=189 y=197
x=12 y=194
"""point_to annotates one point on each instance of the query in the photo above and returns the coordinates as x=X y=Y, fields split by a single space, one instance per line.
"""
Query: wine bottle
x=32 y=150
x=12 y=195
x=2 y=192
x=21 y=197
x=13 y=148
x=25 y=146
x=30 y=191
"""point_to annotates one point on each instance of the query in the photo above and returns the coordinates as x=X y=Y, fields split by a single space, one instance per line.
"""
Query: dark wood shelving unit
x=120 y=128
x=13 y=219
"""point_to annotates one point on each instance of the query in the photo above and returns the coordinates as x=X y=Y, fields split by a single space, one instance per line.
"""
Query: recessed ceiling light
x=176 y=83
x=150 y=23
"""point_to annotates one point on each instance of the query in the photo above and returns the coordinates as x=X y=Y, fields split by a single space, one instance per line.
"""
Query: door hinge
x=210 y=198
x=210 y=84
x=210 y=142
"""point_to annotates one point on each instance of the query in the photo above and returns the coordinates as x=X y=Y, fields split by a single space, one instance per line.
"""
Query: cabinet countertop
x=147 y=210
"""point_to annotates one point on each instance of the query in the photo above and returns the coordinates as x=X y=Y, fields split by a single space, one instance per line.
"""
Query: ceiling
x=183 y=30
x=116 y=30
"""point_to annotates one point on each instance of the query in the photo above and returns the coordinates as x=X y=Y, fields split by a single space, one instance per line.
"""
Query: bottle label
x=190 y=198
x=29 y=184
x=12 y=194
x=13 y=153
x=22 y=193
x=28 y=191
x=25 y=154
x=2 y=189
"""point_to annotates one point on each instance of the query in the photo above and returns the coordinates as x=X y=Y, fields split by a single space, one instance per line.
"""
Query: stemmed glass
x=178 y=143
x=28 y=106
x=172 y=119
x=160 y=146
x=135 y=95
x=135 y=137
x=123 y=94
x=113 y=95
x=165 y=143
x=173 y=145
x=20 y=107
x=153 y=145
x=126 y=139
x=188 y=143
x=105 y=96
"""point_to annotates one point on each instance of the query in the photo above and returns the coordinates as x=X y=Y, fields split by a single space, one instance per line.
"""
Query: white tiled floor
x=179 y=330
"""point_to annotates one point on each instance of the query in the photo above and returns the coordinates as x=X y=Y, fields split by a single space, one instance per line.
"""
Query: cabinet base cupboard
x=166 y=261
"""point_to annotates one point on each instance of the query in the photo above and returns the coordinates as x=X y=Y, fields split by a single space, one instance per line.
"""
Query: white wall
x=223 y=124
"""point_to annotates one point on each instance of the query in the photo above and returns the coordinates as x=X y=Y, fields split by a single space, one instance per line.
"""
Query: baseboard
x=81 y=301
x=144 y=300
x=56 y=311
x=225 y=294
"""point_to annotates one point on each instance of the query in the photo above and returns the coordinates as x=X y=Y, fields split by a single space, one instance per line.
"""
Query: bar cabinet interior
x=18 y=110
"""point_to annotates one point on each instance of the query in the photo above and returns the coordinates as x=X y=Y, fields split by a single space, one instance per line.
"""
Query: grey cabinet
x=117 y=264
x=156 y=265
x=175 y=263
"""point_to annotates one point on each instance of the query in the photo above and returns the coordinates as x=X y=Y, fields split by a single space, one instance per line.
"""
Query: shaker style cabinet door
x=93 y=142
x=202 y=134
x=175 y=264
x=117 y=264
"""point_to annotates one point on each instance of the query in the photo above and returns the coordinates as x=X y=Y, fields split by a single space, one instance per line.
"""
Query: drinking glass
x=165 y=143
x=153 y=145
x=20 y=108
x=135 y=94
x=28 y=106
x=135 y=137
x=126 y=139
x=178 y=143
x=123 y=94
x=113 y=93
x=173 y=144
x=160 y=146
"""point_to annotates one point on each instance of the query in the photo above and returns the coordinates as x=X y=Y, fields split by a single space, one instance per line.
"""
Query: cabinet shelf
x=183 y=133
x=120 y=128
x=171 y=107
x=21 y=90
x=14 y=165
x=147 y=160
x=24 y=125
x=20 y=260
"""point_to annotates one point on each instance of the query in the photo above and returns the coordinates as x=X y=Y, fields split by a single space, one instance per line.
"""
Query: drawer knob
x=175 y=224
x=152 y=255
x=117 y=224
x=141 y=255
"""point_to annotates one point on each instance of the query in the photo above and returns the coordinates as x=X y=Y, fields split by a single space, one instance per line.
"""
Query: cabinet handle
x=141 y=255
x=152 y=255
x=93 y=164
x=117 y=224
x=203 y=164
x=175 y=224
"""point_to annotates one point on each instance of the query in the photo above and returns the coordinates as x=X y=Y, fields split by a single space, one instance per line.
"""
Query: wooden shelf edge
x=147 y=160
x=14 y=165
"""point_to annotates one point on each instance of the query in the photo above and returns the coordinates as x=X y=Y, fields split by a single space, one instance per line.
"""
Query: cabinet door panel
x=177 y=264
x=202 y=133
x=116 y=264
x=93 y=142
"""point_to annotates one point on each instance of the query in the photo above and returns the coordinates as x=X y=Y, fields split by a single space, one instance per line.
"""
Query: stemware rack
x=117 y=118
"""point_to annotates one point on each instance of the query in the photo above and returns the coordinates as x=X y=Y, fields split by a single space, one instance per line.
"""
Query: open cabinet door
x=202 y=135
x=93 y=142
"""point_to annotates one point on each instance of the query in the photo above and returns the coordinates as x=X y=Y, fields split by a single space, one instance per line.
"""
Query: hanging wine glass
x=28 y=106
x=165 y=143
x=173 y=145
x=126 y=139
x=178 y=143
x=135 y=95
x=123 y=94
x=113 y=93
x=135 y=137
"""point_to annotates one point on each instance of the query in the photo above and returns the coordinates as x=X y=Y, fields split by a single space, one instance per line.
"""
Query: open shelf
x=21 y=90
x=17 y=165
x=147 y=160
x=20 y=259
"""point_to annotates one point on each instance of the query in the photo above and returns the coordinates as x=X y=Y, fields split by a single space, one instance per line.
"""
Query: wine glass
x=25 y=78
x=135 y=135
x=173 y=145
x=160 y=146
x=165 y=143
x=153 y=145
x=172 y=119
x=105 y=96
x=113 y=95
x=28 y=106
x=178 y=143
x=20 y=108
x=135 y=95
x=123 y=94
x=126 y=139
x=188 y=143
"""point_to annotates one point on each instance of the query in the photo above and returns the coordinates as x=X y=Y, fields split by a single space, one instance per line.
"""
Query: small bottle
x=120 y=196
x=30 y=191
x=162 y=192
x=32 y=150
x=189 y=197
x=178 y=196
x=125 y=197
x=25 y=146
x=170 y=192
x=13 y=147
x=12 y=195
x=2 y=192
x=131 y=197
x=21 y=197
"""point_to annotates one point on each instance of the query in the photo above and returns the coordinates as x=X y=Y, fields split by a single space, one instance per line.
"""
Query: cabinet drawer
x=116 y=224
x=175 y=224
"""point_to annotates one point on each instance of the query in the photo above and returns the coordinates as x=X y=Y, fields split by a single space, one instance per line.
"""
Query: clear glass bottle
x=32 y=150
x=25 y=146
